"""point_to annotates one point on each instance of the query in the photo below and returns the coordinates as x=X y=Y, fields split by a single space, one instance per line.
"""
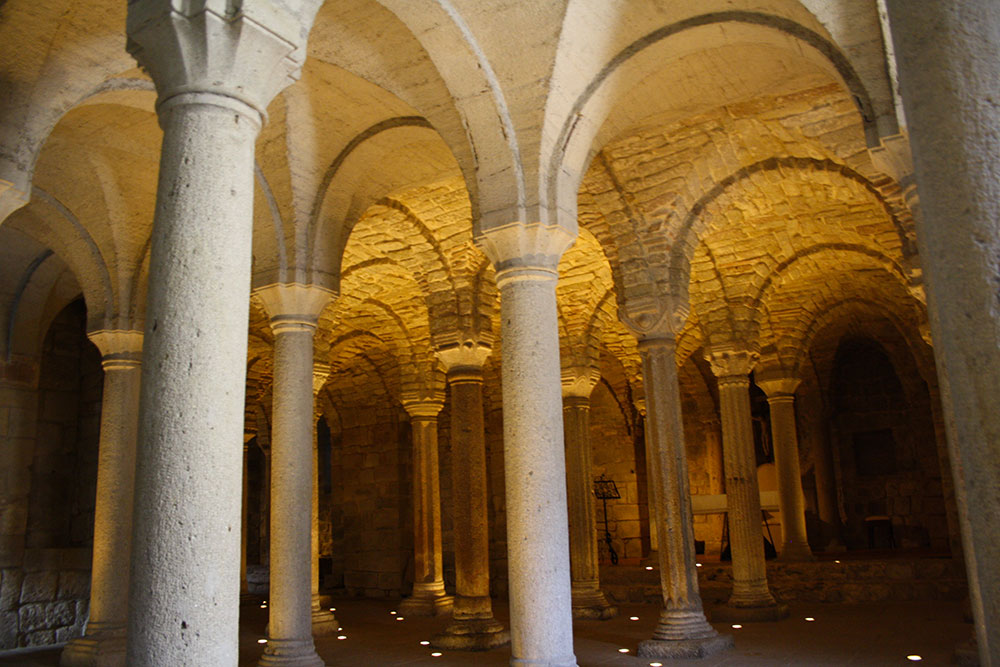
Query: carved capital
x=248 y=51
x=293 y=306
x=119 y=348
x=321 y=371
x=521 y=251
x=654 y=318
x=464 y=354
x=776 y=383
x=424 y=406
x=579 y=381
x=730 y=361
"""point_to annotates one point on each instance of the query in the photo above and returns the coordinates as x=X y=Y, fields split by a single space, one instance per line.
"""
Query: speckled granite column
x=526 y=257
x=682 y=631
x=949 y=77
x=244 y=584
x=473 y=626
x=293 y=311
x=324 y=622
x=429 y=597
x=184 y=592
x=104 y=642
x=588 y=600
x=751 y=599
x=791 y=501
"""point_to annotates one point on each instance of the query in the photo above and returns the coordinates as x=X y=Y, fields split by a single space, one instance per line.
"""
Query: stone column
x=104 y=642
x=244 y=583
x=214 y=75
x=324 y=622
x=791 y=501
x=473 y=626
x=682 y=631
x=429 y=597
x=526 y=257
x=950 y=83
x=751 y=599
x=588 y=600
x=293 y=311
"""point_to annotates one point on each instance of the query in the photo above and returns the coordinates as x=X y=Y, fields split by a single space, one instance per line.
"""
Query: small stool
x=876 y=521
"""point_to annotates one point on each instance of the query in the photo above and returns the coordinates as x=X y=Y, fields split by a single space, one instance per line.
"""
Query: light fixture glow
x=339 y=629
x=633 y=618
x=656 y=664
x=333 y=609
x=914 y=658
x=649 y=567
x=436 y=654
x=393 y=612
x=836 y=561
x=399 y=618
x=261 y=641
x=736 y=626
x=263 y=606
x=810 y=618
x=425 y=643
x=697 y=564
x=341 y=637
x=623 y=650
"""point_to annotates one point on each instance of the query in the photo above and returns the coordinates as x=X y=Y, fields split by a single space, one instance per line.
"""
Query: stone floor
x=841 y=634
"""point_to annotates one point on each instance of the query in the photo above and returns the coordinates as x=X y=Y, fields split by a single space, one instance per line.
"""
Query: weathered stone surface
x=39 y=587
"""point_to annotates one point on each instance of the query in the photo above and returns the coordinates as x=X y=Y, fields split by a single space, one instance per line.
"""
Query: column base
x=440 y=605
x=104 y=649
x=736 y=614
x=592 y=604
x=324 y=623
x=685 y=648
x=477 y=634
x=796 y=553
x=291 y=653
x=558 y=662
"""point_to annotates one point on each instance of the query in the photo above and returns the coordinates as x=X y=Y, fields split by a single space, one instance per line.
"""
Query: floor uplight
x=333 y=609
x=341 y=637
x=393 y=612
x=736 y=626
x=263 y=606
x=656 y=664
x=623 y=650
x=261 y=641
x=633 y=618
x=339 y=629
x=649 y=567
x=697 y=564
x=425 y=643
x=399 y=618
x=914 y=658
x=436 y=654
x=836 y=561
x=810 y=618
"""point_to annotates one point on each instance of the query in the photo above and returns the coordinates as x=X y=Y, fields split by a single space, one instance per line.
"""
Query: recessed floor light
x=436 y=654
x=261 y=641
x=697 y=564
x=736 y=626
x=623 y=650
x=333 y=609
x=649 y=567
x=656 y=664
x=425 y=643
x=914 y=658
x=341 y=636
x=399 y=618
x=810 y=618
x=836 y=561
x=339 y=629
x=393 y=612
x=633 y=618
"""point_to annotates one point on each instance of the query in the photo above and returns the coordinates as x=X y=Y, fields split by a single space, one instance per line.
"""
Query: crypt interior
x=559 y=305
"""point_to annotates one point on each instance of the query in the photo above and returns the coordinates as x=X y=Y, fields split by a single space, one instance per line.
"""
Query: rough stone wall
x=46 y=601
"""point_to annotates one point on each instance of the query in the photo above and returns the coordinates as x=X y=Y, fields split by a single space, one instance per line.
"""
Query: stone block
x=8 y=630
x=44 y=616
x=10 y=588
x=40 y=638
x=39 y=587
x=74 y=585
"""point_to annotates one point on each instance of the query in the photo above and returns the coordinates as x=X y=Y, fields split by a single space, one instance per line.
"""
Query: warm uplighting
x=425 y=643
x=649 y=567
x=333 y=609
x=623 y=650
x=263 y=606
x=836 y=561
x=399 y=618
x=436 y=654
x=656 y=664
x=341 y=636
x=633 y=618
x=697 y=564
x=810 y=618
x=261 y=641
x=339 y=629
x=736 y=626
x=393 y=612
x=914 y=658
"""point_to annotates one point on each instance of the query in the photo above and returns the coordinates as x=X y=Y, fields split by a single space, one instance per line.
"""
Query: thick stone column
x=473 y=626
x=751 y=599
x=526 y=257
x=588 y=600
x=950 y=83
x=104 y=643
x=214 y=75
x=244 y=583
x=791 y=501
x=293 y=312
x=682 y=631
x=429 y=597
x=324 y=622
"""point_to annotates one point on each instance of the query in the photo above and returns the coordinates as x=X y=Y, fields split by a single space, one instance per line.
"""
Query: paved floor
x=871 y=634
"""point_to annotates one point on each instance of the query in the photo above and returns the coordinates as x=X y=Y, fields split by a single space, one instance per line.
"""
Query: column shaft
x=588 y=600
x=950 y=83
x=791 y=500
x=244 y=584
x=184 y=597
x=104 y=642
x=742 y=495
x=292 y=474
x=324 y=622
x=535 y=472
x=682 y=630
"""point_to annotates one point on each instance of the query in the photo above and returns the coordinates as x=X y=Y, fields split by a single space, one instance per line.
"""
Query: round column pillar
x=526 y=257
x=950 y=82
x=324 y=622
x=473 y=626
x=215 y=75
x=751 y=599
x=429 y=597
x=588 y=600
x=104 y=642
x=791 y=501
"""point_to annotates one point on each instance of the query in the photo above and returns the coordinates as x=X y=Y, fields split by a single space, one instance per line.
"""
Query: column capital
x=120 y=348
x=525 y=251
x=654 y=318
x=321 y=371
x=247 y=51
x=291 y=306
x=731 y=362
x=11 y=198
x=424 y=406
x=464 y=356
x=579 y=381
x=777 y=387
